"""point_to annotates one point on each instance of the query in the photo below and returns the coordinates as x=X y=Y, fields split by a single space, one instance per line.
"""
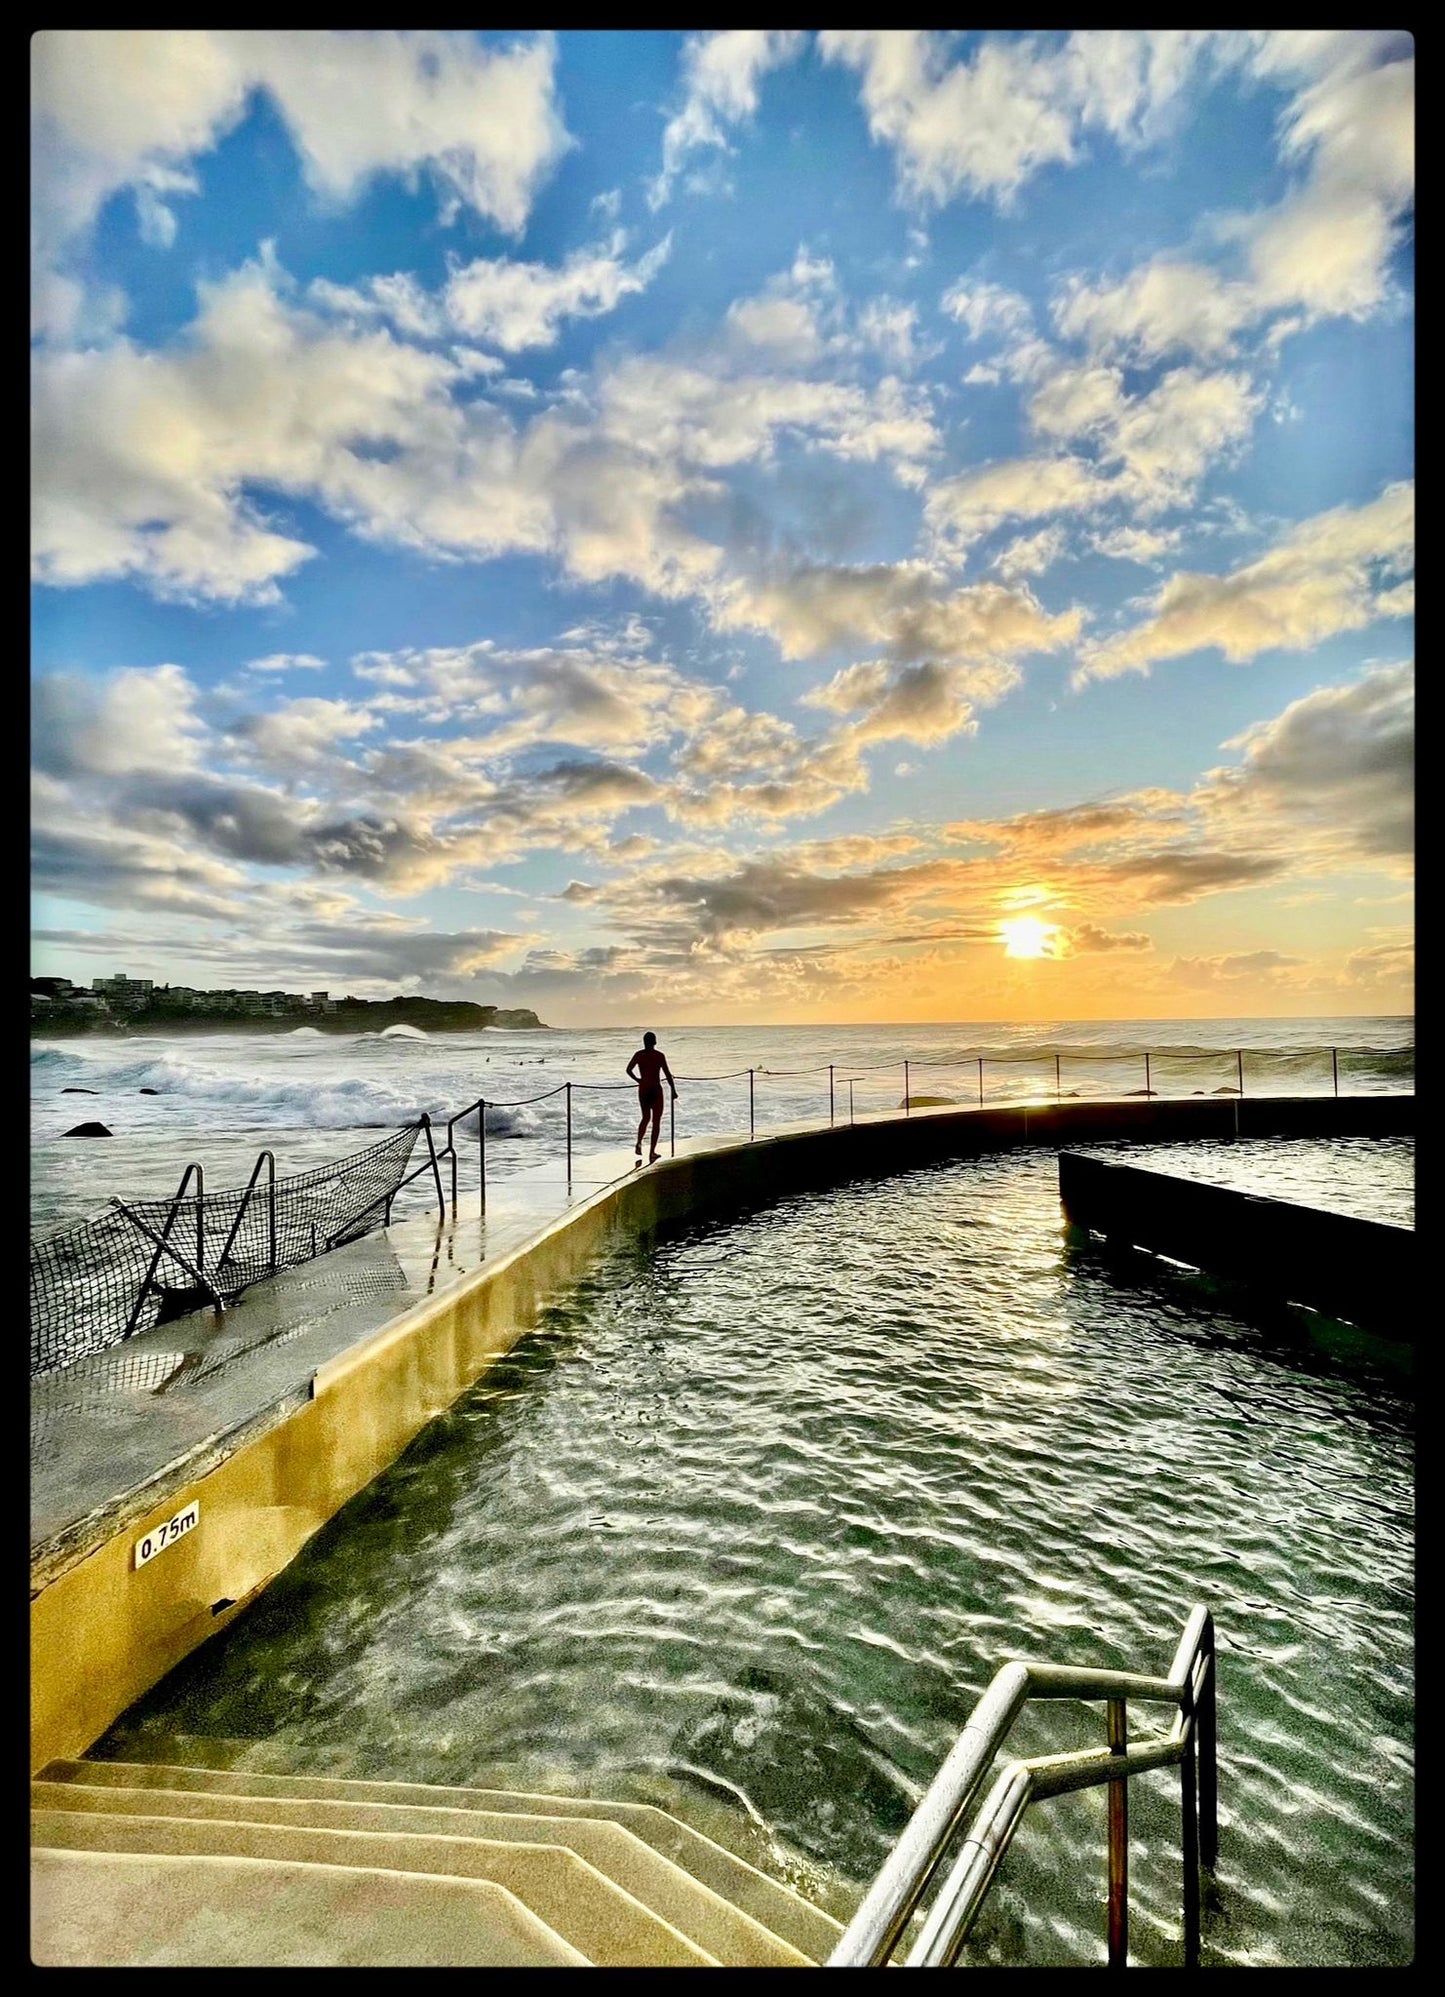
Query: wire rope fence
x=99 y=1281
x=974 y=1080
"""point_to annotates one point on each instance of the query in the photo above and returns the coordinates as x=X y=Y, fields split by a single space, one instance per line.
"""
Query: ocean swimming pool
x=759 y=1509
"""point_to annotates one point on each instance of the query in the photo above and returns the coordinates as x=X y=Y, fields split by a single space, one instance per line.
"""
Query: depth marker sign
x=161 y=1536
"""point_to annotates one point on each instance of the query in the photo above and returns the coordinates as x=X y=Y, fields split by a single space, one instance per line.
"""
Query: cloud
x=980 y=127
x=116 y=108
x=982 y=309
x=299 y=734
x=962 y=510
x=1137 y=544
x=1323 y=576
x=108 y=866
x=722 y=71
x=1030 y=555
x=1321 y=252
x=147 y=460
x=285 y=662
x=620 y=705
x=1325 y=786
x=1162 y=441
x=1337 y=765
x=1089 y=940
x=143 y=458
x=1158 y=308
x=1382 y=963
x=138 y=719
x=1232 y=968
x=986 y=124
x=705 y=416
x=517 y=305
x=891 y=328
x=904 y=607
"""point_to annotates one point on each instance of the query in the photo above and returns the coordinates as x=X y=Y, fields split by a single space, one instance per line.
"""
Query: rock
x=927 y=1102
x=80 y=1092
x=90 y=1130
x=150 y=1092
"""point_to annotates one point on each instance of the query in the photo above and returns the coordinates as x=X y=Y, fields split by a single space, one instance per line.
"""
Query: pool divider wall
x=1361 y=1271
x=103 y=1631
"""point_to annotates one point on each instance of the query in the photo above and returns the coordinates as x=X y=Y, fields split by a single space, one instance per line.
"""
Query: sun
x=1026 y=936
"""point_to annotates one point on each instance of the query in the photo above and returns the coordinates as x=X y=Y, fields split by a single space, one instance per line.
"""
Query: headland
x=128 y=1005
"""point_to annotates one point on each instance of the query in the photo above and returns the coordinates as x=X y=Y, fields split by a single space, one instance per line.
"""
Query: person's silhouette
x=647 y=1068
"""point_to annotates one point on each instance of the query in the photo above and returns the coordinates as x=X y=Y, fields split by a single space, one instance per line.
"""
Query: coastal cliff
x=350 y=1016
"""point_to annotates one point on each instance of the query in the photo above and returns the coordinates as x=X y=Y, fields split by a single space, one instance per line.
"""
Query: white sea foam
x=300 y=1092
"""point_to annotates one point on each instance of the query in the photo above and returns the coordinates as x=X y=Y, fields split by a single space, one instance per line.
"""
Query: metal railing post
x=1118 y=1841
x=672 y=1127
x=569 y=1132
x=751 y=1125
x=1148 y=1089
x=271 y=1211
x=201 y=1222
x=1240 y=1061
x=1058 y=1081
x=850 y=1102
x=907 y=1096
x=436 y=1170
x=482 y=1149
x=1189 y=1835
x=241 y=1211
x=1335 y=1067
x=980 y=1081
x=1208 y=1735
x=830 y=1092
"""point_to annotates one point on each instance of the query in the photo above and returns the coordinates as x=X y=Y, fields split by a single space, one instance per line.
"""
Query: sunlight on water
x=760 y=1509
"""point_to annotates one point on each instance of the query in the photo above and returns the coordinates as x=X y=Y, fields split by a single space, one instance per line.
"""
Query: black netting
x=148 y=1261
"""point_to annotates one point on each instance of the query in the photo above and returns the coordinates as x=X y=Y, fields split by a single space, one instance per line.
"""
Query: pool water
x=1372 y=1178
x=760 y=1509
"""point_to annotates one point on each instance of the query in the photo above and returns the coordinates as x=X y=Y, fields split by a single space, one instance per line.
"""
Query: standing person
x=647 y=1068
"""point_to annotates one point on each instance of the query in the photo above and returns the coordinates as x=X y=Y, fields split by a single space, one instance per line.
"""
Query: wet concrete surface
x=106 y=1431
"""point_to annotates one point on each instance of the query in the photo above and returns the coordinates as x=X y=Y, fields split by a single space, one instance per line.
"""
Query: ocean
x=308 y=1096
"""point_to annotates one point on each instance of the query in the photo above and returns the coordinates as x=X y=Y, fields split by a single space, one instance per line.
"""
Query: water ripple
x=758 y=1512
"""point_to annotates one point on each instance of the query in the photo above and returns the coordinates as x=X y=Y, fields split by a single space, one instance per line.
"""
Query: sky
x=756 y=526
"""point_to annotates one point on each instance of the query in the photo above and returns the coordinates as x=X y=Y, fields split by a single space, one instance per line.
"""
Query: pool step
x=91 y=1910
x=619 y=1883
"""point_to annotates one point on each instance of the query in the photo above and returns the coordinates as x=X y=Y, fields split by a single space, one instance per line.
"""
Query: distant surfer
x=647 y=1068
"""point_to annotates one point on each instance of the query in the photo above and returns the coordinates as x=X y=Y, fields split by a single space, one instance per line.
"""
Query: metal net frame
x=148 y=1261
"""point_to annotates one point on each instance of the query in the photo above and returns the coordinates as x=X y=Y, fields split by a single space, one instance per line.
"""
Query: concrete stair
x=141 y=1863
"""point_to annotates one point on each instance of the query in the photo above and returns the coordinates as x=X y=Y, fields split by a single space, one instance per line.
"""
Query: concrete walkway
x=105 y=1432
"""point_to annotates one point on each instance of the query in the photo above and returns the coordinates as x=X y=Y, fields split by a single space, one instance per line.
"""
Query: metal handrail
x=886 y=1908
x=266 y=1158
x=195 y=1270
x=163 y=1243
x=431 y=1163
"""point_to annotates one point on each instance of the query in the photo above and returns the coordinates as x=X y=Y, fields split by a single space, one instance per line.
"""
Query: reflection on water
x=760 y=1510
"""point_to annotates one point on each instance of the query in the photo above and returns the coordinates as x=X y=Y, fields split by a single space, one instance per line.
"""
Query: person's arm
x=668 y=1072
x=632 y=1067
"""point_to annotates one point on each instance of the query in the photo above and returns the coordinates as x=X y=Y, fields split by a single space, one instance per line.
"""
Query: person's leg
x=656 y=1123
x=641 y=1126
